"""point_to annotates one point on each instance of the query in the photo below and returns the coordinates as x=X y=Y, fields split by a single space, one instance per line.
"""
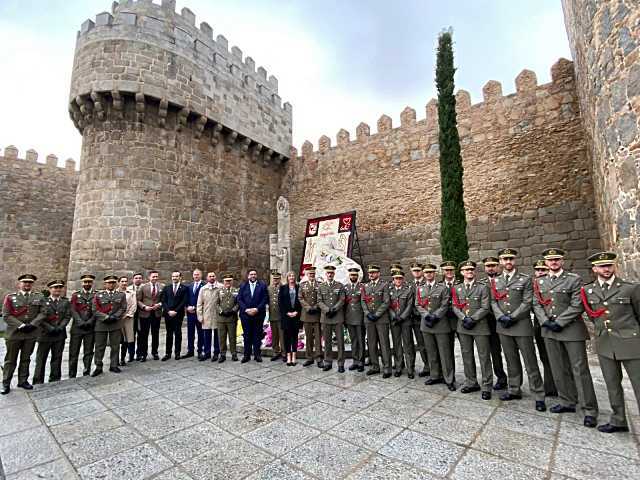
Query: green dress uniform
x=53 y=333
x=277 y=335
x=496 y=347
x=453 y=323
x=355 y=322
x=108 y=307
x=331 y=295
x=226 y=307
x=432 y=302
x=557 y=304
x=375 y=303
x=473 y=301
x=511 y=297
x=416 y=327
x=400 y=313
x=614 y=308
x=23 y=314
x=308 y=296
x=82 y=334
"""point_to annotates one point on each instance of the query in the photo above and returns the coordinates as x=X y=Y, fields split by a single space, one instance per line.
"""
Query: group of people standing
x=507 y=310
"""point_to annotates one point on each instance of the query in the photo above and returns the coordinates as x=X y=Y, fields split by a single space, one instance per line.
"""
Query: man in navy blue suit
x=253 y=299
x=193 y=325
x=174 y=298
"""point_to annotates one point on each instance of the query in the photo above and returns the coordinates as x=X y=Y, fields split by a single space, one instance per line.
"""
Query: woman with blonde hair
x=290 y=310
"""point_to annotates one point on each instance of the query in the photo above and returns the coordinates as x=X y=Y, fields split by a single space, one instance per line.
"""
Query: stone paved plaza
x=198 y=420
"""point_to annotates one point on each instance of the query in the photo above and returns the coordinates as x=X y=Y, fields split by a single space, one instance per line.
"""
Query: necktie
x=195 y=287
x=253 y=287
x=153 y=292
x=428 y=288
x=605 y=286
x=507 y=277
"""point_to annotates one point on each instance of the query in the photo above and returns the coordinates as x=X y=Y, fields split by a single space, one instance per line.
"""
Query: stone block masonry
x=36 y=217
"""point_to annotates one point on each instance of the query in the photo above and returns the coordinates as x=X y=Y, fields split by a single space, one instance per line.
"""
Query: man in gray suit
x=511 y=297
x=471 y=303
x=614 y=306
x=558 y=306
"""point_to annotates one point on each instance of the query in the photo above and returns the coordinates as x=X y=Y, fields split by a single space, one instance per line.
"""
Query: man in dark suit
x=193 y=325
x=253 y=299
x=174 y=298
x=150 y=312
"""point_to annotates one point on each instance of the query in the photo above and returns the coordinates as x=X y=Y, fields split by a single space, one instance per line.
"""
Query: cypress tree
x=453 y=221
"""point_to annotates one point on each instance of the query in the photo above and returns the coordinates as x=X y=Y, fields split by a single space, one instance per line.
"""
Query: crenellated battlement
x=514 y=111
x=30 y=160
x=149 y=51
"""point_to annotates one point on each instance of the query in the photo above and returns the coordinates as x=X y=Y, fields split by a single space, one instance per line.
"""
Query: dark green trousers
x=21 y=349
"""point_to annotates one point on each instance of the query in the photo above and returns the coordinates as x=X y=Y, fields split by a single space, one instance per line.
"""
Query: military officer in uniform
x=354 y=318
x=331 y=295
x=108 y=308
x=53 y=333
x=22 y=312
x=308 y=296
x=511 y=297
x=277 y=336
x=400 y=312
x=226 y=306
x=471 y=304
x=82 y=326
x=491 y=271
x=613 y=304
x=448 y=269
x=418 y=279
x=559 y=307
x=375 y=305
x=540 y=269
x=432 y=304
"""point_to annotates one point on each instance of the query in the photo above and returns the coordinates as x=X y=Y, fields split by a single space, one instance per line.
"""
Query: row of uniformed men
x=553 y=303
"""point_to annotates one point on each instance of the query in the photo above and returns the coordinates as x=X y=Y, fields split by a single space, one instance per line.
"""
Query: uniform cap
x=395 y=267
x=373 y=268
x=229 y=276
x=329 y=268
x=467 y=265
x=275 y=274
x=553 y=253
x=489 y=261
x=87 y=276
x=55 y=283
x=540 y=265
x=507 y=253
x=416 y=267
x=110 y=278
x=27 y=277
x=353 y=270
x=429 y=267
x=397 y=274
x=603 y=258
x=448 y=265
x=310 y=269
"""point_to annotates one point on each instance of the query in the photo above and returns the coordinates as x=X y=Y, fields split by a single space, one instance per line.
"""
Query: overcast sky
x=338 y=62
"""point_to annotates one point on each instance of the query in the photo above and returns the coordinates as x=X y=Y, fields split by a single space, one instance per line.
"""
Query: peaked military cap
x=603 y=258
x=540 y=265
x=416 y=267
x=394 y=267
x=229 y=276
x=553 y=253
x=87 y=276
x=27 y=277
x=429 y=267
x=372 y=267
x=448 y=265
x=330 y=268
x=55 y=283
x=467 y=265
x=397 y=274
x=311 y=269
x=507 y=253
x=110 y=278
x=355 y=270
x=488 y=261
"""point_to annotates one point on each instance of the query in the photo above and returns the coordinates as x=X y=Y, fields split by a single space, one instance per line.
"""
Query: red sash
x=422 y=302
x=53 y=318
x=76 y=305
x=12 y=310
x=101 y=308
x=494 y=291
x=456 y=302
x=395 y=305
x=365 y=297
x=538 y=294
x=592 y=313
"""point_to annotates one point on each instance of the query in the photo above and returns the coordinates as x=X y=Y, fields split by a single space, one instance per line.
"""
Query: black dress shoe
x=143 y=359
x=156 y=357
x=386 y=375
x=353 y=367
x=165 y=358
x=423 y=374
x=202 y=358
x=411 y=375
x=562 y=409
x=320 y=364
x=222 y=359
x=361 y=368
x=470 y=389
x=188 y=355
x=340 y=369
x=245 y=359
x=234 y=357
x=451 y=387
x=307 y=363
x=258 y=358
x=96 y=372
x=500 y=385
x=505 y=397
x=590 y=422
x=541 y=406
x=486 y=395
x=276 y=357
x=25 y=385
x=86 y=373
x=397 y=373
x=214 y=357
x=373 y=372
x=327 y=367
x=433 y=381
x=608 y=428
x=115 y=370
x=5 y=389
x=288 y=364
x=178 y=357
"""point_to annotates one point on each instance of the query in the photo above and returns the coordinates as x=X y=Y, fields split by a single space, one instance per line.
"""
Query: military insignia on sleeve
x=591 y=290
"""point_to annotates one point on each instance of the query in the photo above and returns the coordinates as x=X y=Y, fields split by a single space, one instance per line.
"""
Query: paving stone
x=85 y=426
x=157 y=406
x=326 y=457
x=121 y=385
x=366 y=432
x=206 y=376
x=467 y=409
x=288 y=381
x=49 y=402
x=260 y=375
x=56 y=470
x=419 y=398
x=192 y=395
x=344 y=380
x=17 y=418
x=393 y=411
x=173 y=385
x=516 y=446
x=317 y=390
x=149 y=378
x=280 y=436
x=51 y=389
x=279 y=470
x=423 y=451
x=375 y=387
x=454 y=429
x=237 y=460
x=584 y=464
x=231 y=384
x=160 y=425
x=244 y=419
x=138 y=462
x=525 y=423
x=379 y=467
x=284 y=403
x=254 y=393
x=28 y=448
x=352 y=400
x=194 y=441
x=16 y=397
x=216 y=406
x=104 y=444
x=580 y=436
x=479 y=465
x=321 y=416
x=68 y=413
x=127 y=397
x=175 y=473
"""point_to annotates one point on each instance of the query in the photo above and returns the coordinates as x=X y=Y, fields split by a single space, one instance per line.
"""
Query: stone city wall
x=605 y=43
x=527 y=177
x=36 y=217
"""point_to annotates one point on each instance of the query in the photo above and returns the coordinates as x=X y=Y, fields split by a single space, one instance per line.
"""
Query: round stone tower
x=183 y=146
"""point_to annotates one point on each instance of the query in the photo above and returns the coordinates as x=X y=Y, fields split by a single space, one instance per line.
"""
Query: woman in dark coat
x=290 y=310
